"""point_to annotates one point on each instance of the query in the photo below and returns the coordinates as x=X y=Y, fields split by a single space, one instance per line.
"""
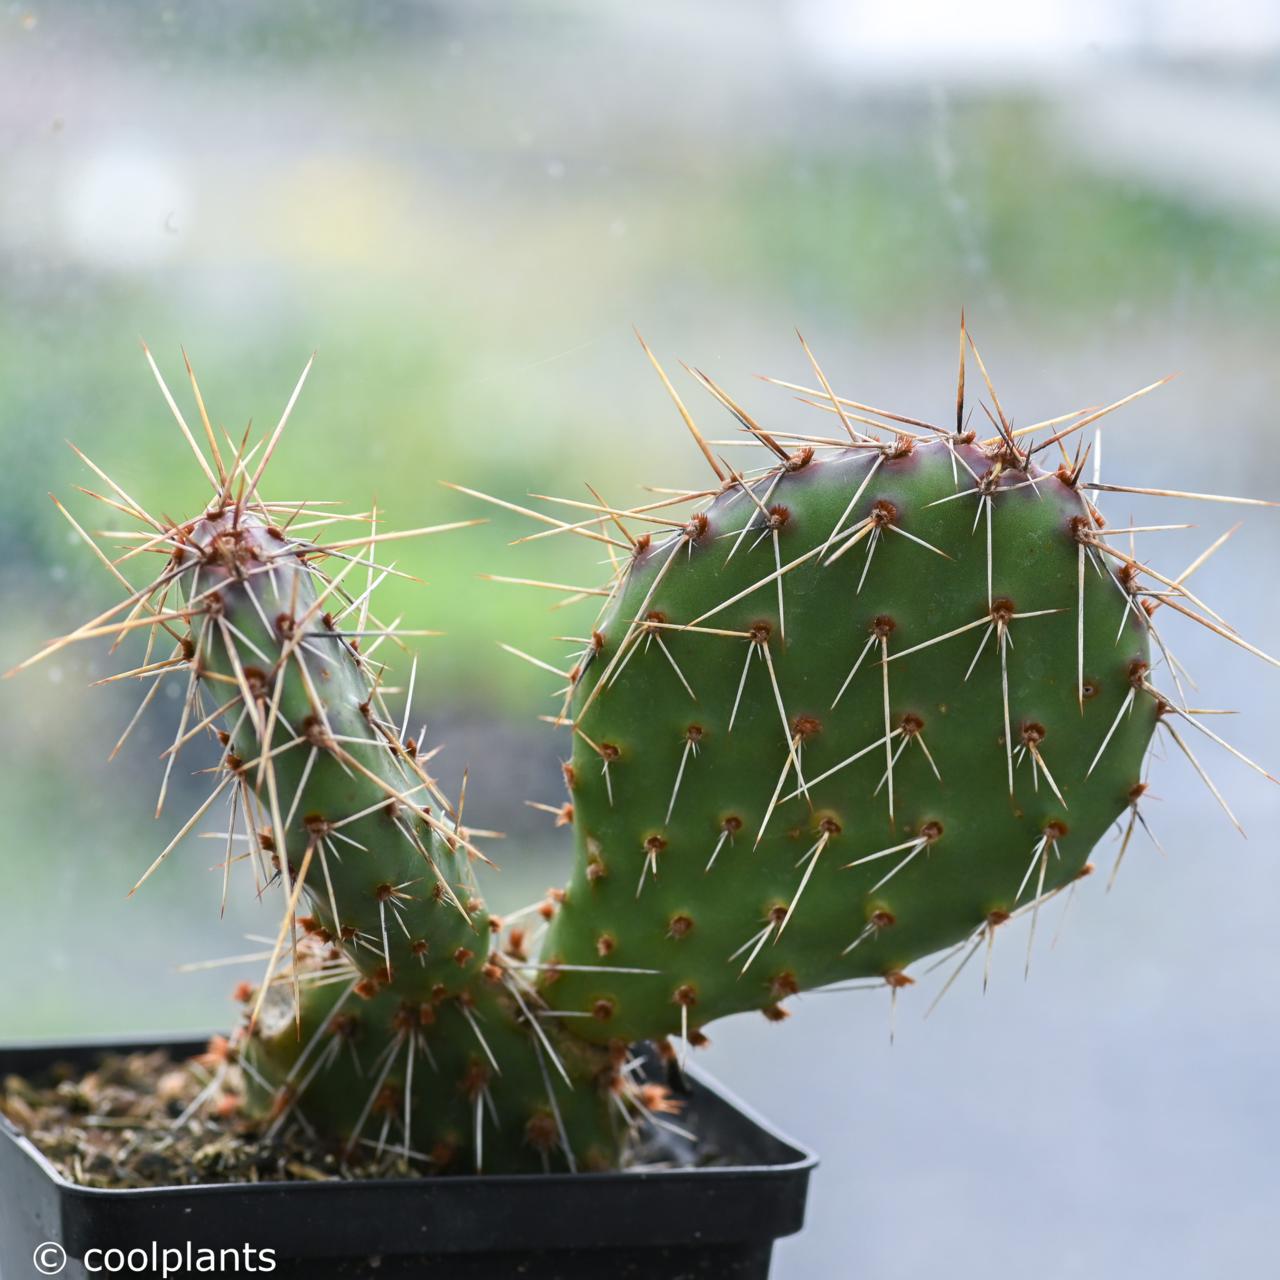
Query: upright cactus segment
x=861 y=705
x=388 y=1004
x=350 y=816
x=357 y=826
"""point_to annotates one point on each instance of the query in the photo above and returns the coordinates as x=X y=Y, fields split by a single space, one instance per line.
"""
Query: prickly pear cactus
x=871 y=701
x=835 y=724
x=868 y=702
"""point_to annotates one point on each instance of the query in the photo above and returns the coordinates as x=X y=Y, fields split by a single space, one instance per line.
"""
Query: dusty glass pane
x=464 y=209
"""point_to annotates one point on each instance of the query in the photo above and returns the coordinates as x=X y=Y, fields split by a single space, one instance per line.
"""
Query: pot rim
x=797 y=1158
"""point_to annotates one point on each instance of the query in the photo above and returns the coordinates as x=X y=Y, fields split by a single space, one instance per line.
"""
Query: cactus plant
x=856 y=707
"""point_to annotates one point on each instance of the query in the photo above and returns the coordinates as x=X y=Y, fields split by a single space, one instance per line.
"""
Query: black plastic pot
x=711 y=1221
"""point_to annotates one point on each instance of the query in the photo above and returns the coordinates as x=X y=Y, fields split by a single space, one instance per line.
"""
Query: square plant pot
x=714 y=1220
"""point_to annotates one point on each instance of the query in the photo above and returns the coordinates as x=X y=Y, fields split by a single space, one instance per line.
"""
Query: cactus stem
x=350 y=738
x=419 y=811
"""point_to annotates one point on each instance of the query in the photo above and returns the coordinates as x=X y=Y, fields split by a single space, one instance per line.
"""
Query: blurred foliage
x=1023 y=218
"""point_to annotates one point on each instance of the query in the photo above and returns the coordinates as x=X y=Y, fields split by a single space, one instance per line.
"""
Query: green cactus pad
x=656 y=702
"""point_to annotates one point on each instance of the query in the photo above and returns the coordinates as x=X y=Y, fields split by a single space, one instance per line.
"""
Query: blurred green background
x=464 y=209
